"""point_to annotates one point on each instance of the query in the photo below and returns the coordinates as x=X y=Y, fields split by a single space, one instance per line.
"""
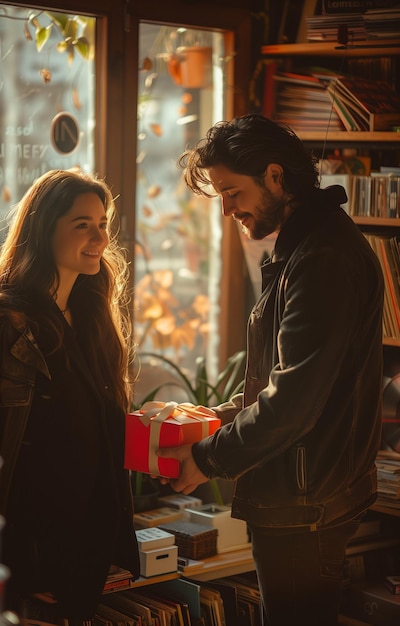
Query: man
x=303 y=442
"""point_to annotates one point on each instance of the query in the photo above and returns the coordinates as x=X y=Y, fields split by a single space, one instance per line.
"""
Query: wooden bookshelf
x=367 y=48
x=151 y=580
x=376 y=137
x=392 y=222
x=222 y=565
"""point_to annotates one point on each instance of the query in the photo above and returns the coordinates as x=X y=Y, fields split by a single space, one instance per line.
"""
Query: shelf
x=369 y=48
x=363 y=48
x=363 y=220
x=221 y=565
x=391 y=341
x=387 y=510
x=350 y=135
x=151 y=580
x=235 y=562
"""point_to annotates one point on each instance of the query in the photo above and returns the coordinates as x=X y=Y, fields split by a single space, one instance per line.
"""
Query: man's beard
x=269 y=217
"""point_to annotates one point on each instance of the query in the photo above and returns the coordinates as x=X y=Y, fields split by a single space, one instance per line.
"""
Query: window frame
x=116 y=128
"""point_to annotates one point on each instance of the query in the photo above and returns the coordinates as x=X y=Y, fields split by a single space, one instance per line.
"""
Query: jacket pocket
x=15 y=392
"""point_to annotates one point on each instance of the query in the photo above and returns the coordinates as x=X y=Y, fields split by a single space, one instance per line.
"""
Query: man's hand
x=190 y=476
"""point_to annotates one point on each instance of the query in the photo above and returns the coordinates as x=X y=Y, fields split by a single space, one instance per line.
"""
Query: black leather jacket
x=303 y=449
x=20 y=362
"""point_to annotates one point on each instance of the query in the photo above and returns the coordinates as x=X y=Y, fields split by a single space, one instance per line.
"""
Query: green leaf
x=59 y=19
x=234 y=367
x=186 y=384
x=71 y=29
x=202 y=391
x=42 y=35
x=83 y=47
x=216 y=492
x=202 y=385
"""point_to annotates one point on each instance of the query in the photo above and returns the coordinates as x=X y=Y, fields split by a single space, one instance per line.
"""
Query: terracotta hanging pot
x=191 y=67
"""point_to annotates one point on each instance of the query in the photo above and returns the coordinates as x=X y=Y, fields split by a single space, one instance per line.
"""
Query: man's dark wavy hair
x=247 y=145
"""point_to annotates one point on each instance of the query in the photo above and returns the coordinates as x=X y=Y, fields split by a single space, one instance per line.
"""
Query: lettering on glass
x=64 y=133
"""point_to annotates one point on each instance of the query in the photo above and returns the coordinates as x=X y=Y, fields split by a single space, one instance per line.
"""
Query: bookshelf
x=225 y=565
x=293 y=58
x=316 y=53
x=316 y=49
x=222 y=565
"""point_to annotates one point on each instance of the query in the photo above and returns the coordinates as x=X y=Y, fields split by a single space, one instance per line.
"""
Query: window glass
x=47 y=97
x=178 y=235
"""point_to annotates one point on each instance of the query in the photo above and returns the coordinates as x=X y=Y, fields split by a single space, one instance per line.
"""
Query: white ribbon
x=155 y=413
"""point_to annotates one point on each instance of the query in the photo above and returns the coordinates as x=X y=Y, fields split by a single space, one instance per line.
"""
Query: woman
x=63 y=395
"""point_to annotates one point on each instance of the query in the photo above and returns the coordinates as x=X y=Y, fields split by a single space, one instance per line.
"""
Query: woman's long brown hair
x=98 y=303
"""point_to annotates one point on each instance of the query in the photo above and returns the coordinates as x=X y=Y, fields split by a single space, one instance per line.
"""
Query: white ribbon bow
x=155 y=413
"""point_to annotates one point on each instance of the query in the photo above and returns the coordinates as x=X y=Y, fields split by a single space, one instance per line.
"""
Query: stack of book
x=362 y=21
x=325 y=27
x=321 y=99
x=364 y=104
x=382 y=23
x=388 y=466
x=388 y=253
x=303 y=103
x=377 y=195
x=185 y=602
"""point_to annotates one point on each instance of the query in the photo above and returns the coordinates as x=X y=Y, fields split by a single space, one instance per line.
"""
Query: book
x=303 y=102
x=374 y=100
x=108 y=616
x=154 y=517
x=229 y=598
x=118 y=578
x=125 y=602
x=393 y=584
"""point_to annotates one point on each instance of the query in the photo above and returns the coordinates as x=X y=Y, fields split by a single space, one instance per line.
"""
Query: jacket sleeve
x=331 y=302
x=227 y=411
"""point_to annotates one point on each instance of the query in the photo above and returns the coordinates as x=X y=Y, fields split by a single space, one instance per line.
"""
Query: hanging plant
x=77 y=33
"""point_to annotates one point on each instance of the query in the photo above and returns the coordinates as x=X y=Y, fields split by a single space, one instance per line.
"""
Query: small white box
x=180 y=501
x=157 y=562
x=232 y=532
x=153 y=539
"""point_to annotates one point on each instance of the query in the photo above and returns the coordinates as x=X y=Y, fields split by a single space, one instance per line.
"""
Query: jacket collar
x=305 y=217
x=26 y=350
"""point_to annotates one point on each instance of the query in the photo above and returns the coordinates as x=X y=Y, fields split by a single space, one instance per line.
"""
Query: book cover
x=187 y=591
x=376 y=98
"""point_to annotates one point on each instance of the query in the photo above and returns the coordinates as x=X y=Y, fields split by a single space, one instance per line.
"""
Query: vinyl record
x=391 y=414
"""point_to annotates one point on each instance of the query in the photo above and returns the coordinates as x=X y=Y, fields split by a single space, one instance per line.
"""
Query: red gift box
x=163 y=425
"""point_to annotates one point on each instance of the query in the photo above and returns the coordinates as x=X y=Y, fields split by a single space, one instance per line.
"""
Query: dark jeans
x=300 y=574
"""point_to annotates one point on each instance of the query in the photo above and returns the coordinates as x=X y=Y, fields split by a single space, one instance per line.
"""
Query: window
x=182 y=92
x=47 y=97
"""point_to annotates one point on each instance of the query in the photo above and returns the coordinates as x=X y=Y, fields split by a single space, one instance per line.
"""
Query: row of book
x=388 y=253
x=322 y=100
x=388 y=468
x=381 y=23
x=377 y=195
x=184 y=602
